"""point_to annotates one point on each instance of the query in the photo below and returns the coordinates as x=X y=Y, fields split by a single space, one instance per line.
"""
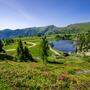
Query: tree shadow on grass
x=4 y=56
x=54 y=62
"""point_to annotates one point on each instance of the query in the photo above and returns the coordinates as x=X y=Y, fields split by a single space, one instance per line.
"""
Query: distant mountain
x=76 y=28
x=51 y=29
x=8 y=33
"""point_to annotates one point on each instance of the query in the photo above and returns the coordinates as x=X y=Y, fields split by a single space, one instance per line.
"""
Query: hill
x=51 y=29
x=76 y=28
x=59 y=73
x=8 y=33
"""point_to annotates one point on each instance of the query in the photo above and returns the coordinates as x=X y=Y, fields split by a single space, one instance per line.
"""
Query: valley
x=59 y=72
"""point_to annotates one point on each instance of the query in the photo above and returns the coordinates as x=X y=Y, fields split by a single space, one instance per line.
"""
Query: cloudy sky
x=29 y=13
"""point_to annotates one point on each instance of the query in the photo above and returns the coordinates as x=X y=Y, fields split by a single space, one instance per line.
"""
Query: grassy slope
x=32 y=75
x=27 y=75
x=76 y=28
x=34 y=50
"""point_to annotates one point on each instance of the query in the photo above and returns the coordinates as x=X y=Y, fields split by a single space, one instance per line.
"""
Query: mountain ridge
x=51 y=29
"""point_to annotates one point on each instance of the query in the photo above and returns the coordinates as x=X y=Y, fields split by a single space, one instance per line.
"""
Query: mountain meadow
x=29 y=59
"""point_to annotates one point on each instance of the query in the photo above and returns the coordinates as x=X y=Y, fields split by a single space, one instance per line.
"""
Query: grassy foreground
x=60 y=73
x=72 y=74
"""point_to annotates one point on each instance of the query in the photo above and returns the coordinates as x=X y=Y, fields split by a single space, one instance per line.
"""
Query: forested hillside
x=47 y=30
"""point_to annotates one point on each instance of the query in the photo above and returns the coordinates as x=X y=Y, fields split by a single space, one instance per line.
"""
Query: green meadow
x=61 y=73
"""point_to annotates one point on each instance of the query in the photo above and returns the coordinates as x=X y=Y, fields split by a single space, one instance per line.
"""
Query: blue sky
x=29 y=13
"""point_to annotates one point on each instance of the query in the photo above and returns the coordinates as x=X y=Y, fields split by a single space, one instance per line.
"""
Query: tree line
x=23 y=53
x=83 y=42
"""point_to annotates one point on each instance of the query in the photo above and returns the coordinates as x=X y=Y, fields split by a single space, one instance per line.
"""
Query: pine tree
x=27 y=54
x=1 y=46
x=86 y=42
x=83 y=42
x=45 y=49
x=20 y=50
x=23 y=52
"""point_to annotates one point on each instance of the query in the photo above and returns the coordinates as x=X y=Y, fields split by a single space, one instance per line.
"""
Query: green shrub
x=5 y=57
x=72 y=71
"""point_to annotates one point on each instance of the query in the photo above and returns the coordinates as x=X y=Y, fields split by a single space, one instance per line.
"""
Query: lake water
x=65 y=46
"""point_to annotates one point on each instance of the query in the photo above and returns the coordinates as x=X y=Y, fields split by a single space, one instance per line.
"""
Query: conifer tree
x=45 y=49
x=20 y=50
x=27 y=54
x=83 y=42
x=1 y=46
x=23 y=52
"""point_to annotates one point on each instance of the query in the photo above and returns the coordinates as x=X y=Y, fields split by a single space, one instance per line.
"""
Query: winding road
x=33 y=44
x=54 y=51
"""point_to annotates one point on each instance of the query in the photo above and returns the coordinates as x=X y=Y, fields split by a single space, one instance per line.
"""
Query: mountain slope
x=76 y=28
x=70 y=29
x=7 y=33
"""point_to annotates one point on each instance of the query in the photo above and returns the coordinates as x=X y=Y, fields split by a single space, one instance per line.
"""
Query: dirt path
x=33 y=44
x=54 y=51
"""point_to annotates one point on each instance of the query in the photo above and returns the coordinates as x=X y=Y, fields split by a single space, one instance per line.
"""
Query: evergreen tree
x=27 y=54
x=20 y=50
x=1 y=46
x=8 y=41
x=45 y=49
x=83 y=42
x=23 y=52
x=58 y=37
x=87 y=41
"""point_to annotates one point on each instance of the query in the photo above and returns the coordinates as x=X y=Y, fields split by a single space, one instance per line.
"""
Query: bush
x=86 y=58
x=72 y=71
x=5 y=57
